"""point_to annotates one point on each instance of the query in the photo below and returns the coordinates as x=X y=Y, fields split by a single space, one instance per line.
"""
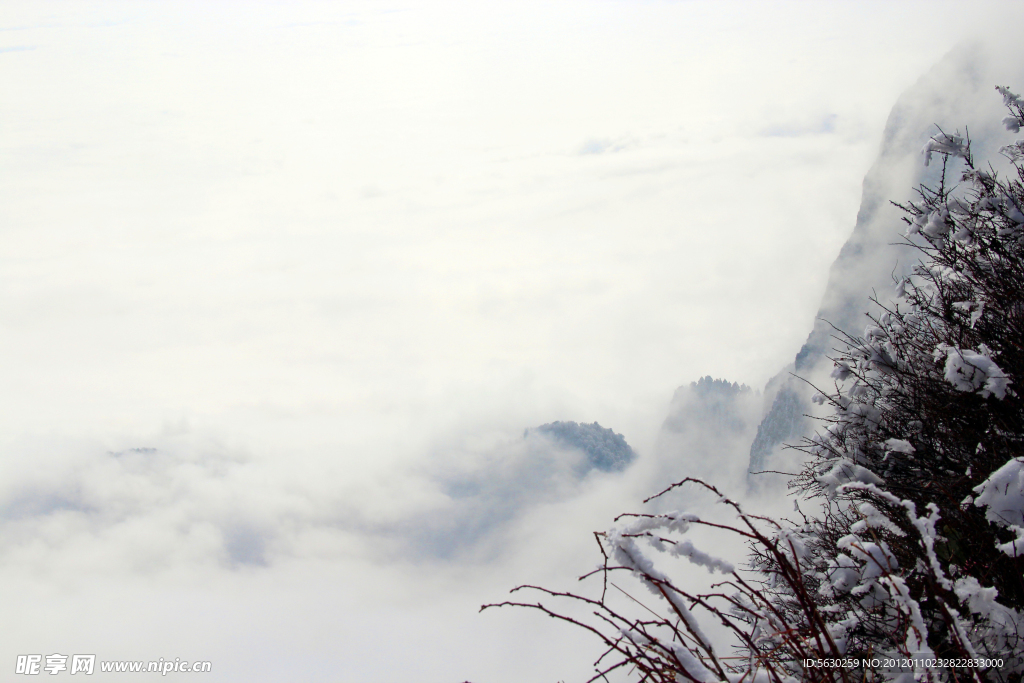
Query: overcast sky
x=310 y=259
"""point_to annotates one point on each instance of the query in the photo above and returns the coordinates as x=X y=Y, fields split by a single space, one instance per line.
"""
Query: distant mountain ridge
x=715 y=405
x=709 y=422
x=604 y=449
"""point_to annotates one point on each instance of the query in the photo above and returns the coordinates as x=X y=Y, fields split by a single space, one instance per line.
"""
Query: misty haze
x=325 y=323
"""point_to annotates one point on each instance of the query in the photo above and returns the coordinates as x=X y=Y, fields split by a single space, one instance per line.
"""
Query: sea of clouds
x=283 y=285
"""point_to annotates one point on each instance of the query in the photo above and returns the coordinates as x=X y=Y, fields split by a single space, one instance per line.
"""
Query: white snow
x=1002 y=494
x=943 y=144
x=898 y=446
x=972 y=371
x=844 y=472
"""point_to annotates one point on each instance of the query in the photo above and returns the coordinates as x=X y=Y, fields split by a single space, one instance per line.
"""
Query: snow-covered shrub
x=921 y=455
x=914 y=568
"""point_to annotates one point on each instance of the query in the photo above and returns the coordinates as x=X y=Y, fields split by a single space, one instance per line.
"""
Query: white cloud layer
x=272 y=272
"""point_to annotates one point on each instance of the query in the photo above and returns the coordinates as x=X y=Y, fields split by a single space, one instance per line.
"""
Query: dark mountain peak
x=605 y=450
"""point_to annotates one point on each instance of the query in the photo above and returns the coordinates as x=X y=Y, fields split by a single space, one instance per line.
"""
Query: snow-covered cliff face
x=957 y=94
